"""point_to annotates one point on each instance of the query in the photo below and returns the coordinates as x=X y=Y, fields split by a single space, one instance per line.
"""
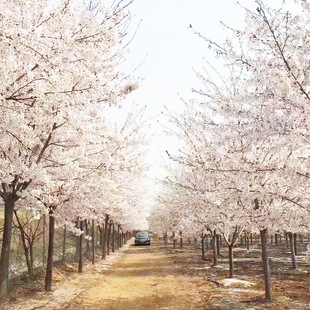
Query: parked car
x=143 y=238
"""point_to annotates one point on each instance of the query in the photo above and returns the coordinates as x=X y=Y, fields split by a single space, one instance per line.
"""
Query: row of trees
x=59 y=154
x=244 y=164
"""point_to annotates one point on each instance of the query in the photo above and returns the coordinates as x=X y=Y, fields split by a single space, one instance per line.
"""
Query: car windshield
x=142 y=235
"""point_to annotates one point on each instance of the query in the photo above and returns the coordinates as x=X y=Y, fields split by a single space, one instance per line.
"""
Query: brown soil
x=158 y=277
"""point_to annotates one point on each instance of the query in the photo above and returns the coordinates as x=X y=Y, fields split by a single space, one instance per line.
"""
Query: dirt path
x=136 y=278
x=159 y=277
x=142 y=279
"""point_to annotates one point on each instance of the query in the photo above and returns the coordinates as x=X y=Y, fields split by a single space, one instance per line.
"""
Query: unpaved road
x=142 y=279
x=159 y=277
x=137 y=278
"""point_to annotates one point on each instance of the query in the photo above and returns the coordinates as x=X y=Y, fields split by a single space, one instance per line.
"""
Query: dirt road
x=142 y=279
x=159 y=277
x=136 y=278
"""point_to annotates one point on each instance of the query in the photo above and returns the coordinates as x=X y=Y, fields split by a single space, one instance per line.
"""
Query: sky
x=166 y=52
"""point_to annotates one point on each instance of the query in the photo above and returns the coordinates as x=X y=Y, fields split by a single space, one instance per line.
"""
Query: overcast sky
x=170 y=51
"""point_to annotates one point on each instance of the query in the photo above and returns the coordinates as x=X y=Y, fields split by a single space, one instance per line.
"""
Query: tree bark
x=50 y=252
x=109 y=238
x=265 y=260
x=105 y=236
x=295 y=243
x=215 y=246
x=81 y=248
x=218 y=245
x=86 y=228
x=93 y=241
x=231 y=260
x=43 y=241
x=113 y=237
x=64 y=243
x=174 y=240
x=181 y=239
x=6 y=248
x=24 y=242
x=291 y=238
x=203 y=254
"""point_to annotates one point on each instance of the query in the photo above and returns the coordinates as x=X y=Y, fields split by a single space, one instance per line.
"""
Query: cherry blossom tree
x=58 y=63
x=248 y=144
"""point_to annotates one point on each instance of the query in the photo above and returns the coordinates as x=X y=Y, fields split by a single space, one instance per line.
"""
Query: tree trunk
x=81 y=248
x=174 y=240
x=105 y=236
x=231 y=260
x=86 y=226
x=64 y=243
x=214 y=245
x=31 y=255
x=24 y=243
x=203 y=255
x=295 y=243
x=166 y=238
x=291 y=237
x=218 y=245
x=101 y=235
x=286 y=239
x=113 y=237
x=247 y=241
x=207 y=242
x=50 y=252
x=6 y=248
x=93 y=241
x=181 y=239
x=265 y=260
x=109 y=238
x=43 y=241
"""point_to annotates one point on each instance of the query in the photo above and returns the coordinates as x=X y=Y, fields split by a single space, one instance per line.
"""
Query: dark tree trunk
x=6 y=248
x=113 y=237
x=93 y=241
x=181 y=239
x=247 y=241
x=77 y=242
x=81 y=248
x=118 y=243
x=105 y=237
x=31 y=255
x=214 y=245
x=291 y=237
x=44 y=241
x=24 y=243
x=286 y=239
x=101 y=228
x=50 y=252
x=64 y=243
x=203 y=255
x=218 y=245
x=231 y=260
x=166 y=238
x=265 y=260
x=86 y=228
x=295 y=243
x=109 y=238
